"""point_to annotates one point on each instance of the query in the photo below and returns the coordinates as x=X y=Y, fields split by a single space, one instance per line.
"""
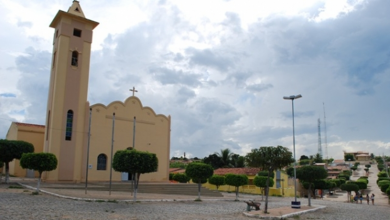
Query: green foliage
x=321 y=184
x=238 y=161
x=342 y=181
x=10 y=149
x=253 y=158
x=318 y=158
x=135 y=162
x=306 y=185
x=354 y=168
x=337 y=182
x=365 y=180
x=382 y=178
x=349 y=187
x=304 y=157
x=226 y=157
x=236 y=180
x=311 y=173
x=39 y=161
x=199 y=171
x=388 y=191
x=384 y=187
x=213 y=160
x=349 y=157
x=347 y=173
x=177 y=164
x=383 y=182
x=290 y=171
x=360 y=184
x=202 y=181
x=261 y=181
x=380 y=166
x=265 y=173
x=181 y=178
x=368 y=166
x=382 y=174
x=217 y=180
x=171 y=176
x=304 y=162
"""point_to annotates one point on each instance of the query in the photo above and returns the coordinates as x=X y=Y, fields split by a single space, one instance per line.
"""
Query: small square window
x=76 y=32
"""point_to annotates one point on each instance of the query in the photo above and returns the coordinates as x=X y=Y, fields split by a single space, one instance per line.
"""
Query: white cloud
x=221 y=70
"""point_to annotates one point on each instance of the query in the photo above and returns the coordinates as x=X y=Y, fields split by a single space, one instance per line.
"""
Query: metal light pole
x=292 y=97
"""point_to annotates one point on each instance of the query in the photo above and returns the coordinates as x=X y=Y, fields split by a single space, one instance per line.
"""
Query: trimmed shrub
x=265 y=173
x=181 y=178
x=384 y=187
x=382 y=178
x=171 y=176
x=361 y=185
x=217 y=180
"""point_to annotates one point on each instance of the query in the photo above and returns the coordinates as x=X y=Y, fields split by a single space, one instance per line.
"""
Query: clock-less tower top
x=67 y=106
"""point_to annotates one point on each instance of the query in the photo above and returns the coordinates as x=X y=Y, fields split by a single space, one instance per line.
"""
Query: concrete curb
x=122 y=200
x=284 y=216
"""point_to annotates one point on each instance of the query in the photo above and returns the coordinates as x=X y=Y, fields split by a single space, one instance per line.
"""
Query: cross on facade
x=133 y=90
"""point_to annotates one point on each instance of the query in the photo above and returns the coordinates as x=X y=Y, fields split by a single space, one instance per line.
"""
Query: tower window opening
x=75 y=58
x=76 y=32
x=69 y=125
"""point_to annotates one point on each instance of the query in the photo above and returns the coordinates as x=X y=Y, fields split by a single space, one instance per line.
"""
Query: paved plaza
x=66 y=203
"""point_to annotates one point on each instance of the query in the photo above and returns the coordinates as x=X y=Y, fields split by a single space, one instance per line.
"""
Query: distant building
x=359 y=155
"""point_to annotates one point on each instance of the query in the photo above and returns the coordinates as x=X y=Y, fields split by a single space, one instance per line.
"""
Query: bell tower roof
x=76 y=9
x=74 y=12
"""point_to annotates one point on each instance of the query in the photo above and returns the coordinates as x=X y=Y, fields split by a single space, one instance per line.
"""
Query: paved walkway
x=380 y=197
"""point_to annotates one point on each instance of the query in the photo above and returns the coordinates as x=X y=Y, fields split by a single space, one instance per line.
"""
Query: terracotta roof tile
x=29 y=125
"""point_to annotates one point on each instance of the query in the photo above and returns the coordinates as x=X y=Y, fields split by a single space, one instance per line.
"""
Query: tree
x=39 y=162
x=198 y=172
x=265 y=173
x=181 y=178
x=236 y=180
x=213 y=160
x=10 y=150
x=272 y=158
x=305 y=162
x=1 y=166
x=290 y=171
x=349 y=187
x=310 y=174
x=135 y=163
x=217 y=180
x=238 y=161
x=177 y=164
x=253 y=158
x=226 y=157
x=261 y=181
x=349 y=157
x=304 y=157
x=318 y=158
x=367 y=165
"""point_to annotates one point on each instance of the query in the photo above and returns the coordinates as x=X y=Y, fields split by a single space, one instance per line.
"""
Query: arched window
x=102 y=162
x=75 y=58
x=69 y=125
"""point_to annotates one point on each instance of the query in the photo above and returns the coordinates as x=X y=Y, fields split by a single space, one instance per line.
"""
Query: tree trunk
x=199 y=190
x=262 y=195
x=237 y=193
x=266 y=193
x=136 y=181
x=309 y=194
x=7 y=172
x=39 y=181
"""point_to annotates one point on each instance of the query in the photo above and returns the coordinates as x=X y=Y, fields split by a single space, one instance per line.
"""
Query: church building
x=77 y=132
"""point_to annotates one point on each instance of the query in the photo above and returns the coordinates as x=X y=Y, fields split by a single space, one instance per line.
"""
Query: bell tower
x=67 y=106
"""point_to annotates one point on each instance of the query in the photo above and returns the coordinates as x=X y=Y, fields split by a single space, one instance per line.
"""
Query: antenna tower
x=326 y=141
x=319 y=138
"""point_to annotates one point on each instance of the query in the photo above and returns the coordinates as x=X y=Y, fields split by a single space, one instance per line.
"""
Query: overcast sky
x=220 y=68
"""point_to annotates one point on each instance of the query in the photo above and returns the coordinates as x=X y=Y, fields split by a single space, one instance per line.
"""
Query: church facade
x=77 y=132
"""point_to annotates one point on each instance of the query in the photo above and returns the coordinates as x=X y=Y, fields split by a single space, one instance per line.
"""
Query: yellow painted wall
x=29 y=133
x=152 y=135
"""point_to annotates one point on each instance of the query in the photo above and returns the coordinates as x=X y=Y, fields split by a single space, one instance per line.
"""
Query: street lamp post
x=294 y=204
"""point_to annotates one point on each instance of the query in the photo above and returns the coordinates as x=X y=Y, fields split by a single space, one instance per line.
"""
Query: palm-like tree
x=226 y=157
